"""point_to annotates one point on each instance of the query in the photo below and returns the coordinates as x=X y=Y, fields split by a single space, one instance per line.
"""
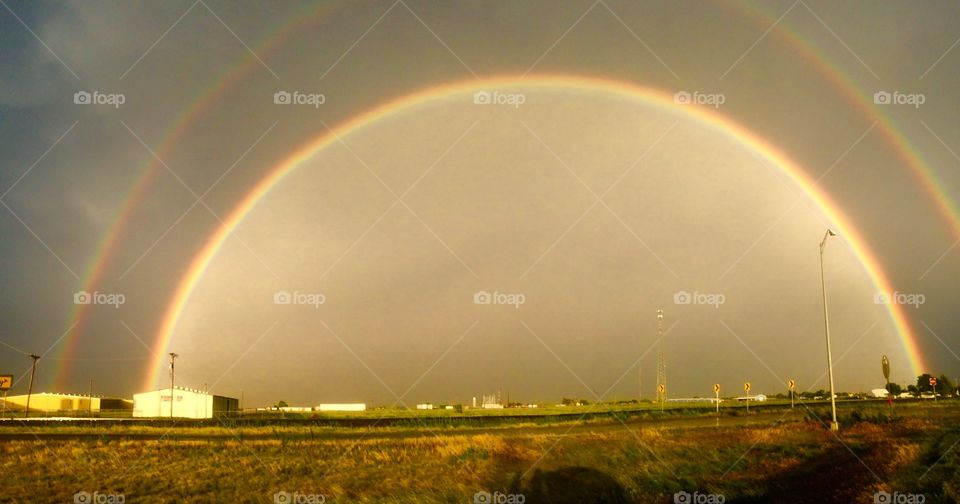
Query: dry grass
x=648 y=463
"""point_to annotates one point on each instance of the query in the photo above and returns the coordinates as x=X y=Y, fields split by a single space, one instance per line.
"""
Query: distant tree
x=923 y=383
x=281 y=404
x=894 y=388
x=913 y=390
x=945 y=386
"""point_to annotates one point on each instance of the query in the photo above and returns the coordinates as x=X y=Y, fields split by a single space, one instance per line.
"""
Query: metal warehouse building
x=47 y=402
x=187 y=403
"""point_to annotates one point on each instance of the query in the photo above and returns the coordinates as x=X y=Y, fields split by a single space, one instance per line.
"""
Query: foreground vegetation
x=775 y=456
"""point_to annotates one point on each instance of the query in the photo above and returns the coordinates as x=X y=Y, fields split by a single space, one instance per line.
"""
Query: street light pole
x=826 y=325
x=33 y=371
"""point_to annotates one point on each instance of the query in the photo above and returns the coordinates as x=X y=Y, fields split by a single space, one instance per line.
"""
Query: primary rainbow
x=202 y=260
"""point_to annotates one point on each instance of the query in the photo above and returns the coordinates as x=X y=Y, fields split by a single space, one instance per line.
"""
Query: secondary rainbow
x=923 y=172
x=202 y=260
x=94 y=273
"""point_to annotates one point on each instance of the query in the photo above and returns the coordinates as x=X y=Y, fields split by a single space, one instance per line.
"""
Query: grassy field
x=776 y=455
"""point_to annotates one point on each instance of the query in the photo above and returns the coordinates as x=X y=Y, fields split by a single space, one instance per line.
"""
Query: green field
x=772 y=454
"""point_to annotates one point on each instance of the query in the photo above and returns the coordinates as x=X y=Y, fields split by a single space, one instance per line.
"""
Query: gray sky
x=505 y=209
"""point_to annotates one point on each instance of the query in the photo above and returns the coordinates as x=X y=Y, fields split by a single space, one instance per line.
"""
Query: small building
x=425 y=406
x=48 y=402
x=342 y=407
x=186 y=403
x=879 y=392
x=757 y=398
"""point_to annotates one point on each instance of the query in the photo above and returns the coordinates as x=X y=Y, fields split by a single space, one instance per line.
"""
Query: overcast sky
x=596 y=207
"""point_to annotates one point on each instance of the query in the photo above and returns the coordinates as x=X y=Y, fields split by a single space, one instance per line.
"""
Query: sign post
x=933 y=383
x=6 y=383
x=792 y=384
x=661 y=388
x=885 y=364
x=746 y=388
x=716 y=390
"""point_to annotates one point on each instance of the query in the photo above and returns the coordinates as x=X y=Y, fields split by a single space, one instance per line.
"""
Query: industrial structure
x=182 y=403
x=342 y=407
x=47 y=402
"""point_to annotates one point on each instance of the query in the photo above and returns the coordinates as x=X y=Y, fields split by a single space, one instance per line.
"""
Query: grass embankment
x=792 y=460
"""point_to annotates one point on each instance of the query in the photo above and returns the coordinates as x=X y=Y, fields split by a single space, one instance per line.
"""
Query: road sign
x=716 y=390
x=6 y=382
x=885 y=363
x=746 y=387
x=792 y=384
x=933 y=382
x=662 y=388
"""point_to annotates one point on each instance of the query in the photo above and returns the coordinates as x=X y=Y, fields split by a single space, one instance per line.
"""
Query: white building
x=879 y=392
x=187 y=403
x=424 y=406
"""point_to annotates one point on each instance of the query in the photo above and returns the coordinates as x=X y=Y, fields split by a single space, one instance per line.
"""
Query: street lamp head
x=826 y=235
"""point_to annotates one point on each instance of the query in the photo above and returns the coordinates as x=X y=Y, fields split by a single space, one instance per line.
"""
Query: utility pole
x=640 y=384
x=173 y=358
x=661 y=362
x=33 y=371
x=90 y=395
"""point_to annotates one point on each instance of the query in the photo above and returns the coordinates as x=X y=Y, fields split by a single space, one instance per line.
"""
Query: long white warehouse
x=186 y=403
